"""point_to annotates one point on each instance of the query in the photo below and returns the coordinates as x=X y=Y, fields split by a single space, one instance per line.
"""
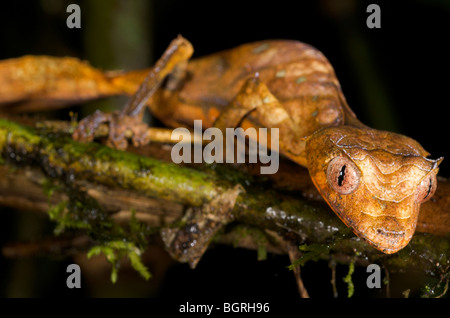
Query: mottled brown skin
x=380 y=178
x=384 y=206
x=297 y=78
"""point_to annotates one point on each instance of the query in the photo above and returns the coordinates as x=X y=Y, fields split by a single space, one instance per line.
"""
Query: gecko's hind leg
x=129 y=118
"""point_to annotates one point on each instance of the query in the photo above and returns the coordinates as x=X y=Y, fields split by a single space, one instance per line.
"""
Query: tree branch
x=125 y=184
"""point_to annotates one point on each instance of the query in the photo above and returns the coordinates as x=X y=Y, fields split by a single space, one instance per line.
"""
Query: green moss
x=12 y=133
x=127 y=170
x=61 y=155
x=114 y=251
x=65 y=161
x=348 y=279
x=139 y=231
x=19 y=131
x=223 y=172
x=114 y=240
x=81 y=212
x=312 y=252
x=244 y=232
x=49 y=187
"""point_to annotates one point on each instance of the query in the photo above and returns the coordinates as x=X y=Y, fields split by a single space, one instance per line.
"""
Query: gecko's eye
x=343 y=175
x=426 y=188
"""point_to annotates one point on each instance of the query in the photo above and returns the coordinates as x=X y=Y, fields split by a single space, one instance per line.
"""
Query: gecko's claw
x=120 y=129
x=87 y=127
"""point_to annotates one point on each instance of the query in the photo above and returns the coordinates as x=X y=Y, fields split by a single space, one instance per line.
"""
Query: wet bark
x=157 y=192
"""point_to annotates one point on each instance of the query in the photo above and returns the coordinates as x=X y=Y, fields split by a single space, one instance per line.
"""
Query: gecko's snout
x=375 y=181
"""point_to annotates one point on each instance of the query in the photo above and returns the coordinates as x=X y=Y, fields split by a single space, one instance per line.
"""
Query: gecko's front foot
x=120 y=127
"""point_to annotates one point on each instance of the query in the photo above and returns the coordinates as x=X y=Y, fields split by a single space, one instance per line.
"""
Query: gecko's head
x=373 y=180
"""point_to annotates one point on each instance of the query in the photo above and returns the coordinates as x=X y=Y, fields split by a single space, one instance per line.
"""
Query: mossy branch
x=281 y=216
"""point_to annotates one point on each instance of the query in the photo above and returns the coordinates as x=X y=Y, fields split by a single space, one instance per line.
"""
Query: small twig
x=445 y=289
x=162 y=135
x=294 y=254
x=332 y=265
x=102 y=173
x=447 y=278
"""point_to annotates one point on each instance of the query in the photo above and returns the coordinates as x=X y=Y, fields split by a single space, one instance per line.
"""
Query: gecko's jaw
x=386 y=233
x=373 y=180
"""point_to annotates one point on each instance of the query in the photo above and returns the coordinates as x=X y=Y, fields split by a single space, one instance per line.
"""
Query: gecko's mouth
x=387 y=241
x=390 y=233
x=380 y=196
